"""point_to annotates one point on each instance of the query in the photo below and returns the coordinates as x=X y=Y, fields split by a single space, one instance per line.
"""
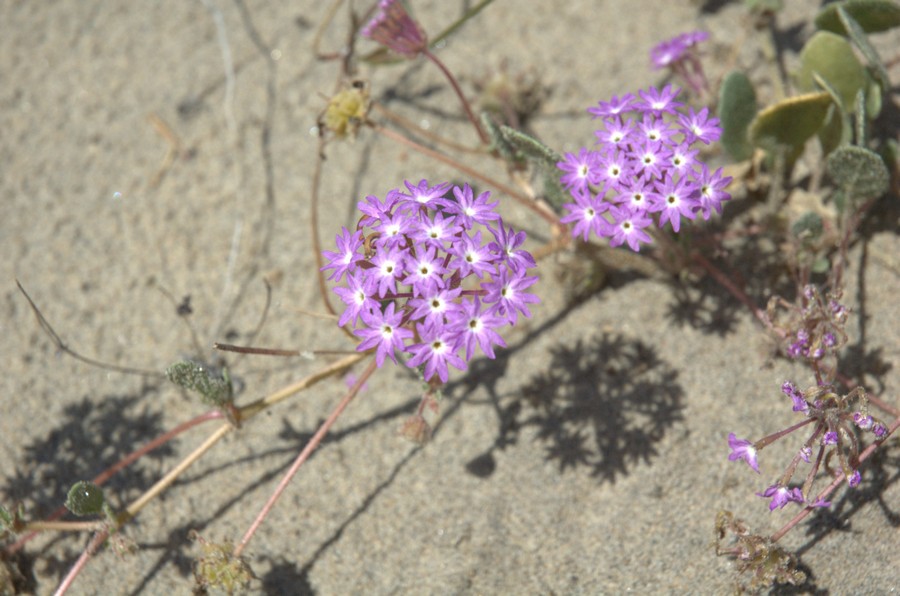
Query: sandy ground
x=613 y=489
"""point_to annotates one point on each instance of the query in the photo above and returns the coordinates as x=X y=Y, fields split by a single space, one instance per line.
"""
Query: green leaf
x=543 y=157
x=85 y=498
x=737 y=108
x=215 y=390
x=6 y=518
x=790 y=122
x=809 y=227
x=831 y=57
x=872 y=15
x=862 y=42
x=859 y=172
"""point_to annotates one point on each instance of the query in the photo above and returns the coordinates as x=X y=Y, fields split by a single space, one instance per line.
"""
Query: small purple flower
x=854 y=479
x=383 y=331
x=471 y=210
x=507 y=296
x=613 y=107
x=820 y=502
x=806 y=453
x=629 y=227
x=425 y=272
x=800 y=404
x=357 y=296
x=830 y=438
x=388 y=267
x=863 y=421
x=437 y=231
x=393 y=27
x=743 y=449
x=615 y=132
x=426 y=196
x=347 y=254
x=469 y=325
x=712 y=190
x=471 y=257
x=879 y=430
x=781 y=496
x=698 y=126
x=656 y=101
x=673 y=201
x=437 y=350
x=433 y=305
x=506 y=244
x=581 y=170
x=585 y=213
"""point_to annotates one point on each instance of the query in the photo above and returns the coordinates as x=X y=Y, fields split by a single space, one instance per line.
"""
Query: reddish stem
x=129 y=459
x=831 y=487
x=304 y=455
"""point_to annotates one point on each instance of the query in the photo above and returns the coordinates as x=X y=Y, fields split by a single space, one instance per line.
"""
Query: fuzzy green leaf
x=544 y=158
x=859 y=172
x=85 y=498
x=831 y=57
x=737 y=108
x=872 y=15
x=215 y=390
x=862 y=42
x=790 y=122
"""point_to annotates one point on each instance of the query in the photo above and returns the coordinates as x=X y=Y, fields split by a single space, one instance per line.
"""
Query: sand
x=135 y=173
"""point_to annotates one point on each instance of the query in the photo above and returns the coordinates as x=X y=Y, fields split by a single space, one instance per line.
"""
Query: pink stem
x=304 y=455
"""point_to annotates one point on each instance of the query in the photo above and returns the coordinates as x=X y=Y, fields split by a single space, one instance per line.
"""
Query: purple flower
x=435 y=232
x=698 y=126
x=346 y=256
x=580 y=170
x=615 y=132
x=469 y=325
x=387 y=267
x=471 y=257
x=424 y=195
x=830 y=438
x=854 y=479
x=472 y=210
x=393 y=27
x=781 y=496
x=383 y=331
x=800 y=404
x=425 y=271
x=613 y=107
x=434 y=305
x=506 y=295
x=656 y=101
x=629 y=227
x=863 y=421
x=437 y=350
x=712 y=190
x=743 y=449
x=585 y=213
x=673 y=201
x=506 y=244
x=357 y=296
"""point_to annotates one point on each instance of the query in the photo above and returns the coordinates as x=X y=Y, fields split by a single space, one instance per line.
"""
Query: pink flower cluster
x=643 y=168
x=433 y=278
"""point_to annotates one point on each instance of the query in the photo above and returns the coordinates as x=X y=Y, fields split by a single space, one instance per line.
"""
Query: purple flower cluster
x=820 y=329
x=644 y=168
x=679 y=55
x=433 y=277
x=672 y=51
x=832 y=418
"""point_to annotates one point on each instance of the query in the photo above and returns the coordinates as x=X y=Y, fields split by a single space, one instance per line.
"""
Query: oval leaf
x=737 y=108
x=790 y=122
x=860 y=173
x=831 y=57
x=85 y=498
x=872 y=15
